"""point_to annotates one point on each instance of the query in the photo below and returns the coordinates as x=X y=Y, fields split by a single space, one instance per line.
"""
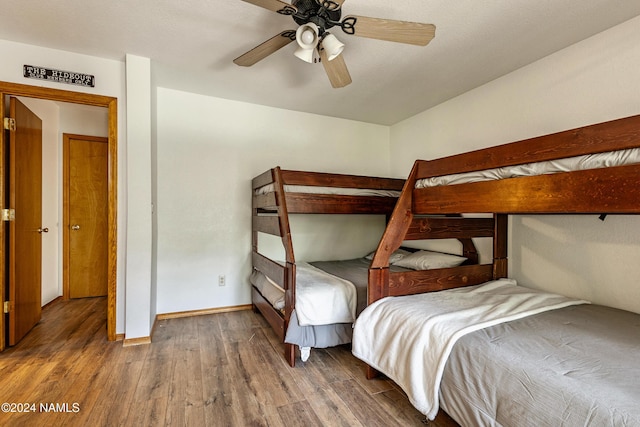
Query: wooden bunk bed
x=483 y=181
x=277 y=194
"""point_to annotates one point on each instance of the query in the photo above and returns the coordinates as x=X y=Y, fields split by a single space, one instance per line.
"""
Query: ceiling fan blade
x=260 y=52
x=336 y=70
x=390 y=30
x=275 y=6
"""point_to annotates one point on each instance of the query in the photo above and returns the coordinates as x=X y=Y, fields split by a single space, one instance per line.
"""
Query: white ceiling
x=192 y=44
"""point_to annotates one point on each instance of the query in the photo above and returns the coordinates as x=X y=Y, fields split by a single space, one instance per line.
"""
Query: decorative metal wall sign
x=69 y=77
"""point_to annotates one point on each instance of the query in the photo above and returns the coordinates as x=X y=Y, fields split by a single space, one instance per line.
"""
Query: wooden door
x=25 y=198
x=86 y=216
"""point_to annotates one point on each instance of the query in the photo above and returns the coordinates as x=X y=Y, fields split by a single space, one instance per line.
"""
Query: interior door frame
x=111 y=103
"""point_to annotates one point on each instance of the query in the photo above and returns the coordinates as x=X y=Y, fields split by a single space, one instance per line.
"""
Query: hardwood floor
x=215 y=370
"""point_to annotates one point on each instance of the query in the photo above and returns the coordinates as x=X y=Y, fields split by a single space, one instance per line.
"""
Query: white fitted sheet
x=308 y=189
x=569 y=164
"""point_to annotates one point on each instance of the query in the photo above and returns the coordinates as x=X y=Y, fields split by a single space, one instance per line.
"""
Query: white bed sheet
x=329 y=190
x=322 y=298
x=590 y=161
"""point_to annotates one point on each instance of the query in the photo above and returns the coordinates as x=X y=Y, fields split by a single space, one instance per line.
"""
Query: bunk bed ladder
x=398 y=226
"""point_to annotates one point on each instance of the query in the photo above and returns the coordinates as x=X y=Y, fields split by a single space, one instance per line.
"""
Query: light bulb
x=308 y=36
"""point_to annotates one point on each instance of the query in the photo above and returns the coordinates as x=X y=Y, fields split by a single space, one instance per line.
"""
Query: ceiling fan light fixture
x=315 y=18
x=307 y=37
x=332 y=46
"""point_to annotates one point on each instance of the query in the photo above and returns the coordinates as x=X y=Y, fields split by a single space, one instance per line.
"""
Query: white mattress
x=589 y=161
x=329 y=190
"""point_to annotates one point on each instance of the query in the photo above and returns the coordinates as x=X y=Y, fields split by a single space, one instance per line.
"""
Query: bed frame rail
x=321 y=179
x=383 y=282
x=422 y=228
x=299 y=203
x=275 y=271
x=612 y=190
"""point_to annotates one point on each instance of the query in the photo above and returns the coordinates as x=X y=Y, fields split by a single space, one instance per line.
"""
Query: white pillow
x=428 y=260
x=395 y=256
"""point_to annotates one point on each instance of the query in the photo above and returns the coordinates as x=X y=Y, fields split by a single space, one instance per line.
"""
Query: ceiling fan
x=316 y=44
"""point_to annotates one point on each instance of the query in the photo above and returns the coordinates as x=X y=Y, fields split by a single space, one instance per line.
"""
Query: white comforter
x=322 y=298
x=409 y=338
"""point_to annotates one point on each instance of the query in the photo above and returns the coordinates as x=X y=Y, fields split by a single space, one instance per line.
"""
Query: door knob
x=75 y=227
x=43 y=230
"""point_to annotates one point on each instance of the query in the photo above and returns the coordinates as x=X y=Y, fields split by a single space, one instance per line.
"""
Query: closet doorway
x=110 y=103
x=85 y=216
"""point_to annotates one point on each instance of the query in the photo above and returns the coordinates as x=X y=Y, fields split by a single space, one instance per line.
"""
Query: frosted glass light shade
x=305 y=54
x=332 y=46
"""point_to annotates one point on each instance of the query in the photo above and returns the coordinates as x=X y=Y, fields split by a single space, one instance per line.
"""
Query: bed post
x=397 y=226
x=290 y=284
x=290 y=300
x=378 y=286
x=500 y=261
x=254 y=241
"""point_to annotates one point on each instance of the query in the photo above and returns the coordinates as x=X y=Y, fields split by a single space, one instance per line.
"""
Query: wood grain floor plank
x=332 y=410
x=395 y=403
x=299 y=414
x=117 y=392
x=363 y=405
x=186 y=403
x=357 y=370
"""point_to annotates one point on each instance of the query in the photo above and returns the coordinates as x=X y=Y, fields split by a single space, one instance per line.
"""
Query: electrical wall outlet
x=221 y=280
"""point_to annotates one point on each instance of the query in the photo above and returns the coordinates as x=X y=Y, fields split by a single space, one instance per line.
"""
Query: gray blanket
x=354 y=270
x=575 y=366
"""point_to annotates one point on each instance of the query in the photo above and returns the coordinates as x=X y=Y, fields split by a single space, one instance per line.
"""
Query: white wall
x=139 y=313
x=83 y=120
x=592 y=81
x=110 y=81
x=208 y=150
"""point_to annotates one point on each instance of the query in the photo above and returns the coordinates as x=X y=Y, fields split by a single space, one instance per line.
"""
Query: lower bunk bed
x=330 y=295
x=489 y=351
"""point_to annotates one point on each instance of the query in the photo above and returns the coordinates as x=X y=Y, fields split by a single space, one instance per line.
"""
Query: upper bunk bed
x=276 y=195
x=589 y=170
x=593 y=169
